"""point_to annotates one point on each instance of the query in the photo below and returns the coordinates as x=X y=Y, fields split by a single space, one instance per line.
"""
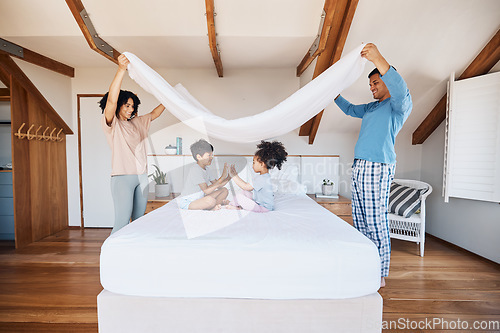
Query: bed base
x=121 y=313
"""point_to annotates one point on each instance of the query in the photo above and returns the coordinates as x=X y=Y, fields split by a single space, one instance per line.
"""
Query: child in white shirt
x=201 y=190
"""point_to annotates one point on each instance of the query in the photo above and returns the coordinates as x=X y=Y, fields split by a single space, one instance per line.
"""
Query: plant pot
x=162 y=190
x=327 y=189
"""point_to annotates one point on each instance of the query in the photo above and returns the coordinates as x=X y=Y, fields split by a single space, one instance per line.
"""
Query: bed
x=298 y=268
x=298 y=251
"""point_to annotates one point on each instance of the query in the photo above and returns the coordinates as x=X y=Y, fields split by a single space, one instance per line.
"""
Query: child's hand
x=224 y=172
x=233 y=171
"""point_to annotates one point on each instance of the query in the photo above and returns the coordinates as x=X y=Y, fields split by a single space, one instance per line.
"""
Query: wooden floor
x=52 y=285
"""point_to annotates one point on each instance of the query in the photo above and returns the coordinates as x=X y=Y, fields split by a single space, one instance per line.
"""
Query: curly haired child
x=259 y=197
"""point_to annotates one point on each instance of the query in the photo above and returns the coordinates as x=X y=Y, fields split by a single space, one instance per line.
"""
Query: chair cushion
x=404 y=200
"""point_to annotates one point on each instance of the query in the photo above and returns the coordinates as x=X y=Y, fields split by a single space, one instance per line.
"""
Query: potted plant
x=162 y=187
x=327 y=187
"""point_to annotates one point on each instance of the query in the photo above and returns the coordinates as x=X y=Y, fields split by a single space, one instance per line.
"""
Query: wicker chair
x=411 y=228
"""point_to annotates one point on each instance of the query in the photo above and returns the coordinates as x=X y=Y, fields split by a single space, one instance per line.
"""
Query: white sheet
x=290 y=114
x=298 y=251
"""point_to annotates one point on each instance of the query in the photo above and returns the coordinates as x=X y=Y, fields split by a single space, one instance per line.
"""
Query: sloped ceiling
x=424 y=39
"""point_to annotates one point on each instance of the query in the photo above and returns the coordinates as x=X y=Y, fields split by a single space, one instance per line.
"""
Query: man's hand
x=371 y=53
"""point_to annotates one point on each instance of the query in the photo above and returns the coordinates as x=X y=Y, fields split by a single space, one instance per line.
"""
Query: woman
x=126 y=133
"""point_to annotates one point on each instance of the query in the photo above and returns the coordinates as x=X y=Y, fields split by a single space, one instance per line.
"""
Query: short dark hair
x=272 y=154
x=123 y=98
x=376 y=71
x=201 y=147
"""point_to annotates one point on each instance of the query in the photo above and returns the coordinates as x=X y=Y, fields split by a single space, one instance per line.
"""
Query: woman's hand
x=123 y=62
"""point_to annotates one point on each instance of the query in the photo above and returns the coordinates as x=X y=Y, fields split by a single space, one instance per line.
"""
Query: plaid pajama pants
x=371 y=183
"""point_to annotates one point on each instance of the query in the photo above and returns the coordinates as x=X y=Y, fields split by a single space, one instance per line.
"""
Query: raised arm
x=371 y=53
x=157 y=111
x=240 y=182
x=114 y=89
x=218 y=183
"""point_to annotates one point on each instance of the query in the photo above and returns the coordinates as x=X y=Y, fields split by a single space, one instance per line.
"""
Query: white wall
x=472 y=225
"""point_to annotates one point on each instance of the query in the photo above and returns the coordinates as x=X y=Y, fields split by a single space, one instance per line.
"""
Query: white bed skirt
x=124 y=314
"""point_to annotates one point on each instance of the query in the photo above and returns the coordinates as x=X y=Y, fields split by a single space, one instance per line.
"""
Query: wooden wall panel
x=48 y=179
x=39 y=166
x=21 y=167
x=39 y=172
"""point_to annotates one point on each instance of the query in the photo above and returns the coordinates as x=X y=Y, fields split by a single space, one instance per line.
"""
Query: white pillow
x=286 y=180
x=288 y=171
x=287 y=186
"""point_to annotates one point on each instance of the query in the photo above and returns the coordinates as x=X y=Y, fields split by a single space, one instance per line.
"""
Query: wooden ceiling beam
x=342 y=18
x=212 y=36
x=35 y=58
x=482 y=64
x=15 y=73
x=319 y=43
x=95 y=42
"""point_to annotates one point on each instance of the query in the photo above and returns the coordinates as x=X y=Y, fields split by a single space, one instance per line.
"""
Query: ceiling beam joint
x=12 y=49
x=89 y=32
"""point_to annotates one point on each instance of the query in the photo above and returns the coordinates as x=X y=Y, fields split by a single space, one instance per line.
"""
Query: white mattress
x=298 y=251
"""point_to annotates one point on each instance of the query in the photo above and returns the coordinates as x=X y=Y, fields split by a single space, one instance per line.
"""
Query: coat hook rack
x=44 y=136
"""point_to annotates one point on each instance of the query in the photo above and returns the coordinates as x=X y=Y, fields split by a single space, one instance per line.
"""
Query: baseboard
x=461 y=249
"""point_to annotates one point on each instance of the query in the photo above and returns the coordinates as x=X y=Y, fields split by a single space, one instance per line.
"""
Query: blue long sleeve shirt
x=381 y=121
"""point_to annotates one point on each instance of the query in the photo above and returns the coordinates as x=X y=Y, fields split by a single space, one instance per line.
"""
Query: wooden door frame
x=79 y=96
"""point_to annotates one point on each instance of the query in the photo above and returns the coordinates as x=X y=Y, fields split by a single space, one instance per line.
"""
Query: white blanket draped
x=282 y=118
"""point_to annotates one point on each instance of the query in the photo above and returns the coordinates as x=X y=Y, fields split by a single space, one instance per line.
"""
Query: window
x=472 y=139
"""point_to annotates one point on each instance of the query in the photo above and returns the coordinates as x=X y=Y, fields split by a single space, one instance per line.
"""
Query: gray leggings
x=130 y=197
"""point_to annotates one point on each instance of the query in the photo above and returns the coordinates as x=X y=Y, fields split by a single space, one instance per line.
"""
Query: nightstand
x=340 y=206
x=156 y=202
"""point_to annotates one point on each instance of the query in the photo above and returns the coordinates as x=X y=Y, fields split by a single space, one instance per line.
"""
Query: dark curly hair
x=122 y=100
x=272 y=154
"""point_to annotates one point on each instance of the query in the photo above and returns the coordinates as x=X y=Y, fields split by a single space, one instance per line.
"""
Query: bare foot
x=225 y=202
x=217 y=207
x=382 y=282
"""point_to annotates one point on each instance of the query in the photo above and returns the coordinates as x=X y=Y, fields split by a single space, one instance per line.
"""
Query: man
x=374 y=155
